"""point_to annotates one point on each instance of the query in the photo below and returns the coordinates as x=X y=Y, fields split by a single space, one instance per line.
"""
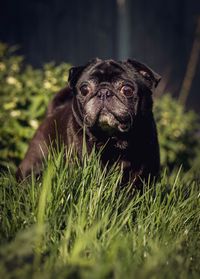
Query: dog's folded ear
x=146 y=72
x=75 y=72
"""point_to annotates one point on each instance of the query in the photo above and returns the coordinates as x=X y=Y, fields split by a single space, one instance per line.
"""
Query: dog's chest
x=120 y=152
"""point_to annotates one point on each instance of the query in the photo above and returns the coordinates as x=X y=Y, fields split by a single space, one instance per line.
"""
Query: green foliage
x=25 y=93
x=75 y=223
x=178 y=132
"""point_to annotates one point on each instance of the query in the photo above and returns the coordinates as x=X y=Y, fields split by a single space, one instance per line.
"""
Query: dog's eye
x=127 y=90
x=85 y=89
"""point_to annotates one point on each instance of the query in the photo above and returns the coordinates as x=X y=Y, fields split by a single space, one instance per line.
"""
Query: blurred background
x=52 y=35
x=159 y=33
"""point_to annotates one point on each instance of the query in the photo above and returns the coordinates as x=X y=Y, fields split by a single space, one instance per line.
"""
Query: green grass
x=75 y=223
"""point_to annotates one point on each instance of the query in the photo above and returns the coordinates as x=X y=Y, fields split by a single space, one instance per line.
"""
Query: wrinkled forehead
x=105 y=71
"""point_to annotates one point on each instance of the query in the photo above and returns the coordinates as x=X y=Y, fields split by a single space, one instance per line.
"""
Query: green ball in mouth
x=108 y=123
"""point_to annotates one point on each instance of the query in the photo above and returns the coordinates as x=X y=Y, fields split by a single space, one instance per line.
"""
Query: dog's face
x=110 y=94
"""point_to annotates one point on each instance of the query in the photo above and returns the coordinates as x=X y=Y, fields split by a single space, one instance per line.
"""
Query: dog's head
x=110 y=95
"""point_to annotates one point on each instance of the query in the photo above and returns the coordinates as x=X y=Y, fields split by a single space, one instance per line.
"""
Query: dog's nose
x=104 y=93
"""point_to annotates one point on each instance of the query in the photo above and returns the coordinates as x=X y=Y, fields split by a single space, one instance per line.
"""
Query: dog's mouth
x=110 y=123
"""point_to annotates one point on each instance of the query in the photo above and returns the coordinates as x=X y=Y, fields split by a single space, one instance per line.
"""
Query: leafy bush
x=25 y=93
x=178 y=132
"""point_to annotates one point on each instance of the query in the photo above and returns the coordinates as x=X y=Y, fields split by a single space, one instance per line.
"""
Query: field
x=75 y=223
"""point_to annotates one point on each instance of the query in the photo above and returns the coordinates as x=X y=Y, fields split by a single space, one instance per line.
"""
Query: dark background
x=159 y=33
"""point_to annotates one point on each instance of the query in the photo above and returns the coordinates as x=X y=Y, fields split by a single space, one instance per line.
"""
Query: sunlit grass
x=75 y=222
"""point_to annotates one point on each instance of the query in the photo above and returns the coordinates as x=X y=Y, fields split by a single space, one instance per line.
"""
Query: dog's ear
x=75 y=72
x=147 y=73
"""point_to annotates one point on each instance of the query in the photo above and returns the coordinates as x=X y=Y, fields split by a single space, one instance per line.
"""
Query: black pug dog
x=112 y=102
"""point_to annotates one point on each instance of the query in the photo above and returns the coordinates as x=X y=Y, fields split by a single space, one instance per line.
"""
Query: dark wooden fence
x=159 y=33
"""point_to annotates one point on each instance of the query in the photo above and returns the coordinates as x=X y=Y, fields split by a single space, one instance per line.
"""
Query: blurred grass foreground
x=73 y=222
